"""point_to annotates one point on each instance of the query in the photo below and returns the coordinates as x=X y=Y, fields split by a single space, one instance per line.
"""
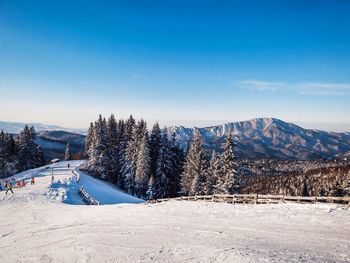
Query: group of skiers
x=9 y=184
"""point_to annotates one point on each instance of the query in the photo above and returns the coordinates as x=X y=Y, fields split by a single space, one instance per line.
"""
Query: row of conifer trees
x=19 y=154
x=154 y=165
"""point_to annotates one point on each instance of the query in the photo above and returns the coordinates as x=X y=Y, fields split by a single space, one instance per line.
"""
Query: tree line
x=152 y=165
x=19 y=154
x=325 y=181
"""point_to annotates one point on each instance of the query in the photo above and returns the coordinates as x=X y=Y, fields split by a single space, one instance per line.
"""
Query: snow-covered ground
x=39 y=224
x=65 y=188
x=104 y=192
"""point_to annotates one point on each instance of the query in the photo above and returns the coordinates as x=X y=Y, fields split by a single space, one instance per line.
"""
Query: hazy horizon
x=182 y=62
x=329 y=127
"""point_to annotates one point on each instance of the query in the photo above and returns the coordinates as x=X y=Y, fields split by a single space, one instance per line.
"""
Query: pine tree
x=8 y=158
x=215 y=176
x=155 y=145
x=232 y=181
x=131 y=155
x=27 y=149
x=129 y=127
x=130 y=158
x=98 y=158
x=89 y=140
x=20 y=154
x=68 y=154
x=40 y=156
x=164 y=167
x=7 y=146
x=177 y=158
x=196 y=167
x=142 y=168
x=121 y=153
x=152 y=191
x=113 y=148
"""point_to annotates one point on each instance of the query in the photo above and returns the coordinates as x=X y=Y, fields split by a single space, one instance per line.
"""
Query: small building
x=56 y=160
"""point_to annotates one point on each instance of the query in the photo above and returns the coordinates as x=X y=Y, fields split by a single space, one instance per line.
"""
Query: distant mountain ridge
x=256 y=138
x=17 y=127
x=54 y=143
x=270 y=138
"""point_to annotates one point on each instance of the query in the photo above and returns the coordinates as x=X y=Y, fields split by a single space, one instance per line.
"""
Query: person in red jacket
x=18 y=184
x=23 y=183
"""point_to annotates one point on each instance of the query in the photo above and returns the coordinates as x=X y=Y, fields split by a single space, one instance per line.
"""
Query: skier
x=18 y=184
x=52 y=178
x=23 y=183
x=32 y=181
x=9 y=188
x=68 y=166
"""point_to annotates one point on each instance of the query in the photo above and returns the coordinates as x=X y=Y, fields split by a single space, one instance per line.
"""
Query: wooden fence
x=258 y=199
x=87 y=198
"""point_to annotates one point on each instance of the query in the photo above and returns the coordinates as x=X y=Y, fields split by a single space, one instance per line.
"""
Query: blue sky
x=179 y=62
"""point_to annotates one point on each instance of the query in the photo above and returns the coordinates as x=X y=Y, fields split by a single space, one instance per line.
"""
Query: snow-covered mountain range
x=271 y=138
x=17 y=127
x=256 y=138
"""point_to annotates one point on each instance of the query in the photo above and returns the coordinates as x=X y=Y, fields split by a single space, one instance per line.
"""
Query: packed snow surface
x=39 y=224
x=104 y=192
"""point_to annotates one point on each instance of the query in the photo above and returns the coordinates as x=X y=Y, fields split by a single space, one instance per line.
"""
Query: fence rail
x=258 y=199
x=87 y=198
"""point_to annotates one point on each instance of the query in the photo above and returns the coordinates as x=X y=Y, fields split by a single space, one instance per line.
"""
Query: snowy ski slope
x=64 y=188
x=39 y=224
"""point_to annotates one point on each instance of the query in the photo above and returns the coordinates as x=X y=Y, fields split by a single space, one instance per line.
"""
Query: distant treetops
x=152 y=165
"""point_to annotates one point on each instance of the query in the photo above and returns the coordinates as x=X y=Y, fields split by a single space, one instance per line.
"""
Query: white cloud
x=323 y=89
x=263 y=85
x=302 y=88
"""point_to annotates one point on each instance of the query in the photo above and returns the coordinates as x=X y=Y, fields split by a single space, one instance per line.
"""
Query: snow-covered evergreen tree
x=129 y=167
x=68 y=154
x=8 y=155
x=152 y=191
x=129 y=127
x=215 y=178
x=196 y=167
x=27 y=149
x=20 y=154
x=177 y=158
x=229 y=168
x=89 y=140
x=164 y=167
x=40 y=156
x=7 y=146
x=113 y=148
x=121 y=153
x=98 y=158
x=131 y=154
x=155 y=145
x=142 y=168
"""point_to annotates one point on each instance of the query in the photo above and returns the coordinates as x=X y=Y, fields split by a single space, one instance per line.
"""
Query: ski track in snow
x=39 y=224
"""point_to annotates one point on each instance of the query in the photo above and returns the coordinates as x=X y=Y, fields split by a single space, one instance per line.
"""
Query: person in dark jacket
x=9 y=188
